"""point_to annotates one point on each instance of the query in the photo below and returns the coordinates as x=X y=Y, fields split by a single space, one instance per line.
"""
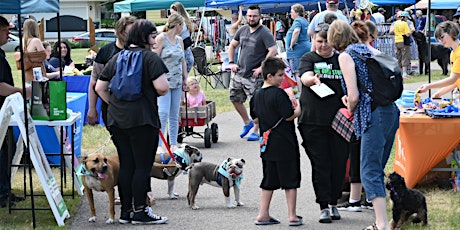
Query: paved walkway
x=213 y=213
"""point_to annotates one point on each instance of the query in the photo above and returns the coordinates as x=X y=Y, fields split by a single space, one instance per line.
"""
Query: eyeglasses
x=372 y=36
x=322 y=28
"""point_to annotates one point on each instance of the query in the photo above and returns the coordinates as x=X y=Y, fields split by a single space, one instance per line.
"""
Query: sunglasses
x=321 y=28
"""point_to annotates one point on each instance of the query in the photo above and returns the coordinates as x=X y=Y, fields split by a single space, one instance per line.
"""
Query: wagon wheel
x=214 y=132
x=207 y=138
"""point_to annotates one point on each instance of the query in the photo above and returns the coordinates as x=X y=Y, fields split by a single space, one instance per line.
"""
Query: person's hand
x=423 y=88
x=316 y=80
x=92 y=116
x=234 y=67
x=257 y=72
x=345 y=100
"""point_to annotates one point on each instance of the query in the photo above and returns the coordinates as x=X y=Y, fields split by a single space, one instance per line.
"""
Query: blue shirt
x=303 y=41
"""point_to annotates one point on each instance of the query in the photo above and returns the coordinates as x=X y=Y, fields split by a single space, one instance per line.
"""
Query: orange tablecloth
x=421 y=143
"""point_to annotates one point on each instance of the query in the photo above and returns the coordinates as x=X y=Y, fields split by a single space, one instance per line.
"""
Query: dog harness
x=181 y=159
x=223 y=172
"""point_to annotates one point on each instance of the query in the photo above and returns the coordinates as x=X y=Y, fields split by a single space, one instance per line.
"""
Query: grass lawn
x=443 y=205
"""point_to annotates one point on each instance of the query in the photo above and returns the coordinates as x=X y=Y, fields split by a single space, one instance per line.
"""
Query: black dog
x=405 y=202
x=438 y=52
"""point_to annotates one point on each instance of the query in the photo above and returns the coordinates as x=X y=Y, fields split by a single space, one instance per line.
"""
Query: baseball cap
x=405 y=14
x=381 y=10
x=458 y=12
x=332 y=1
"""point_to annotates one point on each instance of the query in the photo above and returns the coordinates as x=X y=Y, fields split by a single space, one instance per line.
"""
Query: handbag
x=264 y=138
x=406 y=40
x=49 y=100
x=343 y=124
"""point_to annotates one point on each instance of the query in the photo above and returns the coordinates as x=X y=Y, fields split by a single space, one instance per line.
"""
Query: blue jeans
x=168 y=110
x=295 y=64
x=376 y=144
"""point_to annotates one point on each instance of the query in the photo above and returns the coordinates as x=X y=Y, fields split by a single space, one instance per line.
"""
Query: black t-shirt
x=106 y=53
x=5 y=74
x=269 y=105
x=316 y=110
x=129 y=114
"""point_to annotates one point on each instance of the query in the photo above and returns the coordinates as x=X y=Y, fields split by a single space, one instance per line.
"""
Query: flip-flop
x=268 y=222
x=296 y=223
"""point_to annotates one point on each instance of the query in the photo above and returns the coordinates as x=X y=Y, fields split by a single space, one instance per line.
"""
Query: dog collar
x=224 y=173
x=179 y=154
x=81 y=170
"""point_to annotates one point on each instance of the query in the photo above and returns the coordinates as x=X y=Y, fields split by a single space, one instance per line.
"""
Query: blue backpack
x=126 y=85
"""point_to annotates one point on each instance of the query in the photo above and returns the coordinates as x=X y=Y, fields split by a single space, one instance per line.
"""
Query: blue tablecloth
x=79 y=84
x=47 y=136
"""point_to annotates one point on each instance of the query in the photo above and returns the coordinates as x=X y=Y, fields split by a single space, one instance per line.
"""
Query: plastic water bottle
x=456 y=97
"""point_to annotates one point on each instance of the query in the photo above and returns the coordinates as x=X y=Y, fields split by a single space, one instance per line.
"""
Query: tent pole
x=428 y=24
x=199 y=27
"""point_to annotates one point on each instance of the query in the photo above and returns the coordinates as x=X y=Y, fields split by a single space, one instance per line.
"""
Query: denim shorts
x=376 y=144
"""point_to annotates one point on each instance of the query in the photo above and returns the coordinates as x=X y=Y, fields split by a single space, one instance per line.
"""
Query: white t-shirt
x=379 y=18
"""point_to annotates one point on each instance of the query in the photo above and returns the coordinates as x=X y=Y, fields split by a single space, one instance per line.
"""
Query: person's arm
x=35 y=45
x=444 y=90
x=7 y=90
x=231 y=55
x=234 y=26
x=441 y=83
x=309 y=78
x=347 y=65
x=203 y=102
x=184 y=69
x=92 y=115
x=296 y=113
x=295 y=35
x=102 y=89
x=159 y=44
x=52 y=75
x=272 y=52
x=161 y=85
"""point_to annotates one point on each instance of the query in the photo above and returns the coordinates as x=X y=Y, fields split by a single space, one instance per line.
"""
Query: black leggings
x=355 y=148
x=136 y=150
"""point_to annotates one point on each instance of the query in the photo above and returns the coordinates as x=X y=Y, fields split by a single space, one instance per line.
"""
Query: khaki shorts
x=242 y=88
x=402 y=54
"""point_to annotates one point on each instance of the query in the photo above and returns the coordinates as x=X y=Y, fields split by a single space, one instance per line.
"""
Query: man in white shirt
x=378 y=16
x=332 y=6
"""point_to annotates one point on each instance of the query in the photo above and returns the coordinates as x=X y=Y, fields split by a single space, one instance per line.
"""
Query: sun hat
x=458 y=12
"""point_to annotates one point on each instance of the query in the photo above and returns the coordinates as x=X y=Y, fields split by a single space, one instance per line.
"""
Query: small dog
x=100 y=175
x=184 y=157
x=405 y=202
x=226 y=175
x=438 y=52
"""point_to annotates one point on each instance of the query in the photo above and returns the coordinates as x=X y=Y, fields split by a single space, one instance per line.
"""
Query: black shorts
x=280 y=174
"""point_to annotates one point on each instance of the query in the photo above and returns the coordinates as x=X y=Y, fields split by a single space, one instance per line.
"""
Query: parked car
x=12 y=44
x=101 y=36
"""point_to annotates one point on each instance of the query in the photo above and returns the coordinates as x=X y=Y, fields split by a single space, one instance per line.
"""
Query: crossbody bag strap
x=277 y=123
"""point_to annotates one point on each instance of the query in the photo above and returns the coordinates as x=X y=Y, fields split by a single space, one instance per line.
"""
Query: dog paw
x=92 y=219
x=194 y=207
x=238 y=203
x=110 y=221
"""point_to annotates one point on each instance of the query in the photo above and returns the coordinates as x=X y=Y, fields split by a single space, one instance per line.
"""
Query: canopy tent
x=436 y=4
x=29 y=6
x=392 y=2
x=141 y=5
x=272 y=6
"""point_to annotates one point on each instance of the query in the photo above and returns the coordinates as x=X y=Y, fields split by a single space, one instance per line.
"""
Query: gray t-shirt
x=253 y=48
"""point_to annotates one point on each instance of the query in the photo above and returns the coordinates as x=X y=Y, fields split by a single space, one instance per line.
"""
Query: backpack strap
x=364 y=59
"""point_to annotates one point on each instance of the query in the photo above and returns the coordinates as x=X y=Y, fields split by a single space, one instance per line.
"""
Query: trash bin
x=225 y=78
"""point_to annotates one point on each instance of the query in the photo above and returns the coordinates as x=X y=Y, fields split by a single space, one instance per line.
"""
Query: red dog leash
x=166 y=144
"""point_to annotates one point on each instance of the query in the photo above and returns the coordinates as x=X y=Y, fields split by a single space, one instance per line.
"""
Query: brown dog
x=101 y=175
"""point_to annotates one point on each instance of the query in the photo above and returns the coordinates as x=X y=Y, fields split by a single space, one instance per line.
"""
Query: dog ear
x=242 y=160
x=84 y=158
x=229 y=159
x=187 y=148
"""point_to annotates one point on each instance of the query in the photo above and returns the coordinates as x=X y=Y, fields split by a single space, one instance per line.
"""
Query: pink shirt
x=196 y=100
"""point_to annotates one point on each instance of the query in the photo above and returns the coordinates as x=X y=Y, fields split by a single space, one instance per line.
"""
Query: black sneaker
x=13 y=200
x=325 y=216
x=367 y=205
x=126 y=217
x=351 y=207
x=335 y=215
x=147 y=216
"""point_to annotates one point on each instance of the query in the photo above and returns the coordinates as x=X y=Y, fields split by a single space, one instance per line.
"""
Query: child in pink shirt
x=195 y=97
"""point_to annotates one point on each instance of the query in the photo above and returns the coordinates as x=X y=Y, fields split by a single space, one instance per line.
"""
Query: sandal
x=372 y=227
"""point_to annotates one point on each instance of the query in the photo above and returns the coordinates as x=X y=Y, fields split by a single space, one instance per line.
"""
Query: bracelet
x=231 y=62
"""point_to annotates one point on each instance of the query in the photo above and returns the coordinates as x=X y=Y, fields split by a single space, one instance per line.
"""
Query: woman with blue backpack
x=131 y=94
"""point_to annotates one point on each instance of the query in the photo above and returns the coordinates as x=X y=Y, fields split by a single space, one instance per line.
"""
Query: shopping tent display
x=444 y=4
x=142 y=5
x=33 y=148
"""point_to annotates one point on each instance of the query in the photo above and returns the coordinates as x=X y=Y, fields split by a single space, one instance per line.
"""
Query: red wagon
x=198 y=116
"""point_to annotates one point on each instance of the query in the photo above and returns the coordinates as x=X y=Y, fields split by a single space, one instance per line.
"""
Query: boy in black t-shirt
x=273 y=109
